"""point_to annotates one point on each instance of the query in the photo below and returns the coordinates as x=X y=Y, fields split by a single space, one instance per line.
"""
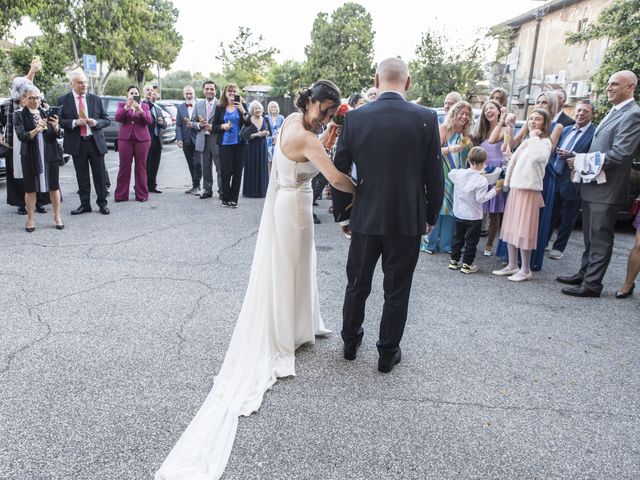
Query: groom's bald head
x=393 y=74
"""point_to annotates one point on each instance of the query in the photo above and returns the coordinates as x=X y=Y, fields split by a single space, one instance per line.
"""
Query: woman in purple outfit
x=633 y=264
x=489 y=135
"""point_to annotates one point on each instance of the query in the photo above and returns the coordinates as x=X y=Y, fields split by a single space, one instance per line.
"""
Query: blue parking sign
x=90 y=65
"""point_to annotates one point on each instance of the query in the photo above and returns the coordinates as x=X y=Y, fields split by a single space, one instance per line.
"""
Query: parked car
x=110 y=105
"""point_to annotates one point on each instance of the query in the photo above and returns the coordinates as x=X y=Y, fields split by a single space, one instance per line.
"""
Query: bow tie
x=189 y=104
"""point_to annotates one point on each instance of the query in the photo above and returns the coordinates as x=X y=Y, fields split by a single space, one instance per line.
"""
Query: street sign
x=90 y=65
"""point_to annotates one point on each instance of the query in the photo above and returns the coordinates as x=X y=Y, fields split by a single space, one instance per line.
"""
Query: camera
x=54 y=111
x=136 y=98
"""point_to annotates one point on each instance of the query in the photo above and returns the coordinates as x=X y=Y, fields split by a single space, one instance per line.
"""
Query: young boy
x=471 y=190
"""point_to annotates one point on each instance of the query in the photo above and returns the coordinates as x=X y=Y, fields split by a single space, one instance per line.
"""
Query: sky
x=286 y=25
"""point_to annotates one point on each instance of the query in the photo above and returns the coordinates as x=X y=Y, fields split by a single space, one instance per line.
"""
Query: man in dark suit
x=566 y=204
x=561 y=117
x=83 y=118
x=618 y=138
x=394 y=145
x=186 y=138
x=155 y=130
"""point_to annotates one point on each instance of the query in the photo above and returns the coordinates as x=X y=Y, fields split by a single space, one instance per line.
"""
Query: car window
x=112 y=107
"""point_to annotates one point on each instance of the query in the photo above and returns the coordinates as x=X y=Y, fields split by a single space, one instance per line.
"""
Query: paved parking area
x=112 y=330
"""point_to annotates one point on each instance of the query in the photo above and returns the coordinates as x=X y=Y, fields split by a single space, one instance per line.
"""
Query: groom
x=394 y=145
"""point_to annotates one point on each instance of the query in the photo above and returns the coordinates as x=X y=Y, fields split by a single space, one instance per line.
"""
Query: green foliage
x=341 y=49
x=286 y=79
x=130 y=35
x=5 y=73
x=439 y=69
x=12 y=11
x=54 y=60
x=118 y=83
x=620 y=21
x=245 y=61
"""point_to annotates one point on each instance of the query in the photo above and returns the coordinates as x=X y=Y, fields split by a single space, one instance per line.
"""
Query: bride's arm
x=313 y=149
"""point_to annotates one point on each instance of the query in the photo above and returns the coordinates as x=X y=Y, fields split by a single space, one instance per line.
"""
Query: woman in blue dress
x=275 y=121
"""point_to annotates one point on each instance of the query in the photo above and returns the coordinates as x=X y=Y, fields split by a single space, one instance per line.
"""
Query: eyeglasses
x=33 y=98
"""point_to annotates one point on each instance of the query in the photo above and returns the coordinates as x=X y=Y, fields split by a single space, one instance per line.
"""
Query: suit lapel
x=612 y=116
x=72 y=104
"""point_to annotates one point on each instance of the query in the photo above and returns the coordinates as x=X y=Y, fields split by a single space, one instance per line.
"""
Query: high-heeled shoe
x=30 y=229
x=59 y=226
x=628 y=293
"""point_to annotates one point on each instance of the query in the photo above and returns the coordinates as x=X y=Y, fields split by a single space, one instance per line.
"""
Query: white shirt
x=570 y=138
x=622 y=104
x=470 y=191
x=86 y=111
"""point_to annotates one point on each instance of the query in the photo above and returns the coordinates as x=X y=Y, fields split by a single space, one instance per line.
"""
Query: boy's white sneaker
x=556 y=254
x=468 y=268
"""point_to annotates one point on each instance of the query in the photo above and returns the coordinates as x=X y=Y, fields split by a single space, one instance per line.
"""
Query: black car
x=110 y=105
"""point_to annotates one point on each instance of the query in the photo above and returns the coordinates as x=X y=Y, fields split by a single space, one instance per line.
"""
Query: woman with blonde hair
x=455 y=138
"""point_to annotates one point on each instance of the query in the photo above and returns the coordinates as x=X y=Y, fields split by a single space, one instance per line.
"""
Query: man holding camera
x=83 y=118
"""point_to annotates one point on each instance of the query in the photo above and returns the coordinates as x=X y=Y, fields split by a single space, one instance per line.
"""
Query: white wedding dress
x=280 y=312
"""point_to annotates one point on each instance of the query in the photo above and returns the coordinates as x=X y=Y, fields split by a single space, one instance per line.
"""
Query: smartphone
x=36 y=58
x=236 y=98
x=54 y=111
x=136 y=98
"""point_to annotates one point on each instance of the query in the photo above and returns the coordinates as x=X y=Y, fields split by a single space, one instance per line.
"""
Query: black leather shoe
x=572 y=280
x=350 y=351
x=41 y=209
x=80 y=210
x=205 y=195
x=22 y=210
x=316 y=220
x=154 y=190
x=628 y=293
x=104 y=211
x=386 y=364
x=30 y=229
x=580 y=291
x=60 y=226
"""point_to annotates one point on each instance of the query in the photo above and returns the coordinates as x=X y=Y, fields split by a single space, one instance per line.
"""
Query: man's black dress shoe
x=80 y=210
x=316 y=220
x=154 y=190
x=41 y=209
x=350 y=351
x=580 y=291
x=104 y=211
x=628 y=293
x=572 y=280
x=206 y=195
x=22 y=210
x=386 y=363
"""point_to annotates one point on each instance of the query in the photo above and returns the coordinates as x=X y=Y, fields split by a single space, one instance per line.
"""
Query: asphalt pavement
x=112 y=330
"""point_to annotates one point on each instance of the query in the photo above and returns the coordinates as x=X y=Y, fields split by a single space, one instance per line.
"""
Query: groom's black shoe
x=350 y=351
x=386 y=363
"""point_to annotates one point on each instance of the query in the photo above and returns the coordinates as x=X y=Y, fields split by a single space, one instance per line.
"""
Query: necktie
x=188 y=105
x=208 y=114
x=82 y=113
x=558 y=165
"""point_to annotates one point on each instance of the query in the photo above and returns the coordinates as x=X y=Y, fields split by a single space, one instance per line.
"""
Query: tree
x=341 y=49
x=286 y=79
x=130 y=35
x=439 y=69
x=12 y=12
x=54 y=61
x=244 y=61
x=621 y=23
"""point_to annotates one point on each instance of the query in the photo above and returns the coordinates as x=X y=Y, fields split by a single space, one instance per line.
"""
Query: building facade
x=557 y=64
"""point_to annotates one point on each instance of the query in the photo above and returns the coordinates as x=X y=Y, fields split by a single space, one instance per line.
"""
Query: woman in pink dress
x=524 y=178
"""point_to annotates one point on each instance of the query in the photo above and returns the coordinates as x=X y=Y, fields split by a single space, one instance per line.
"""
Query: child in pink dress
x=522 y=211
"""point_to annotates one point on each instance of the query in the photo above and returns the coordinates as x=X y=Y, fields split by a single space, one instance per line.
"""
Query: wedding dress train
x=279 y=313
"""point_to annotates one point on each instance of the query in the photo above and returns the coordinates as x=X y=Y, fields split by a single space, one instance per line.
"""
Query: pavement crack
x=528 y=409
x=234 y=244
x=190 y=316
x=10 y=357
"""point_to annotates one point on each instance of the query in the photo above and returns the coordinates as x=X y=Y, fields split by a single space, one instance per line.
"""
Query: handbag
x=635 y=206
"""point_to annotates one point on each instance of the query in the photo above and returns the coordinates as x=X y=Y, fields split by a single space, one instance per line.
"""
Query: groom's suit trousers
x=399 y=258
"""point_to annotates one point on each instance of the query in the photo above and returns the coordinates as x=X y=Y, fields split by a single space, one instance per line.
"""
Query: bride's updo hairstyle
x=318 y=92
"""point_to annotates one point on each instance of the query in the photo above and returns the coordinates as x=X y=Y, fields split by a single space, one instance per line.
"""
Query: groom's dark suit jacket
x=395 y=146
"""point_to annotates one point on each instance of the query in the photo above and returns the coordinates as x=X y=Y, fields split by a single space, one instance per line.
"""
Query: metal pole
x=533 y=61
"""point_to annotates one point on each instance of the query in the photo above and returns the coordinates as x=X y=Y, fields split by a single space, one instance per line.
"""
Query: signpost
x=90 y=65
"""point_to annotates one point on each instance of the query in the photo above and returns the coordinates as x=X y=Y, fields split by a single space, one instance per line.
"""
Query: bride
x=280 y=311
